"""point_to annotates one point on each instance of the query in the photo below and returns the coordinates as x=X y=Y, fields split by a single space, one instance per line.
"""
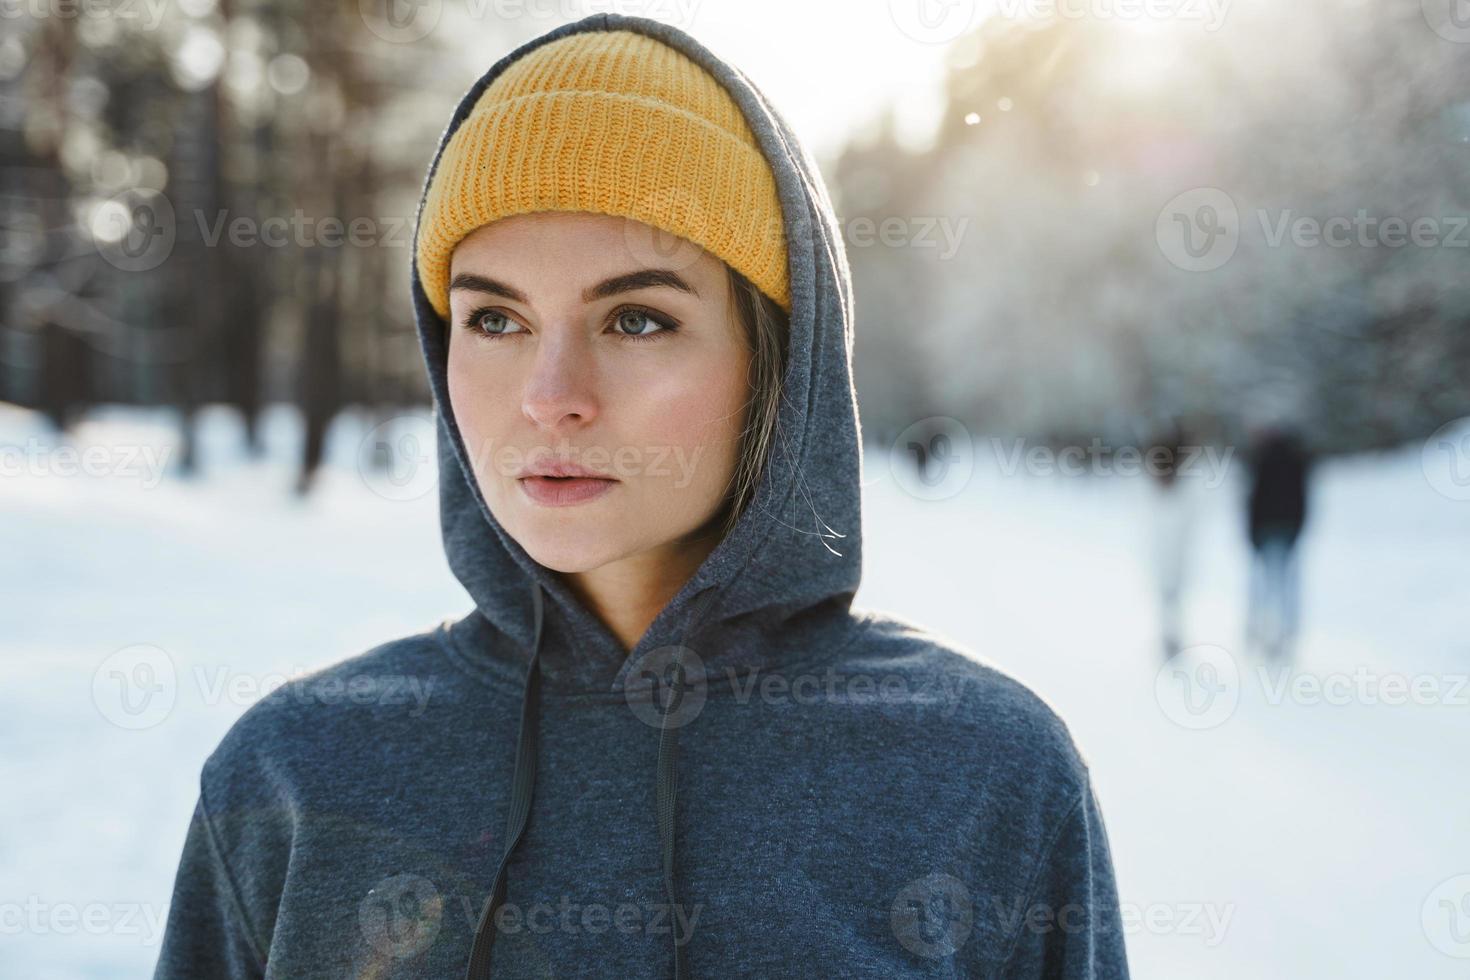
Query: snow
x=1316 y=829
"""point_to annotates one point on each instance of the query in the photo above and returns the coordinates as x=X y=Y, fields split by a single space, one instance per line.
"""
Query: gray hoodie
x=770 y=783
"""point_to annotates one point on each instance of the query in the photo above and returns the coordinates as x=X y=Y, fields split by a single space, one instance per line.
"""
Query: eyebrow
x=627 y=282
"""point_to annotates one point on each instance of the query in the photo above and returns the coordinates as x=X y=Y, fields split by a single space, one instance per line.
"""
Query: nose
x=560 y=391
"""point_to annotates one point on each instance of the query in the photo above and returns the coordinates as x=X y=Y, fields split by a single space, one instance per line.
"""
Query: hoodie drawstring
x=668 y=776
x=524 y=787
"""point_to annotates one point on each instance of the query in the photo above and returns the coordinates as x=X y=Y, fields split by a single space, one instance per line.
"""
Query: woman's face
x=596 y=340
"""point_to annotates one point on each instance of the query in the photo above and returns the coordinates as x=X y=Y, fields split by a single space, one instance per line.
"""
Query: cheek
x=470 y=398
x=686 y=424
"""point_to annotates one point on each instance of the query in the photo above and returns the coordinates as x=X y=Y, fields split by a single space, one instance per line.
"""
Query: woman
x=663 y=742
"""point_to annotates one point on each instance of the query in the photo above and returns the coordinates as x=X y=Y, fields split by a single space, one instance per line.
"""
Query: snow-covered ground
x=1315 y=829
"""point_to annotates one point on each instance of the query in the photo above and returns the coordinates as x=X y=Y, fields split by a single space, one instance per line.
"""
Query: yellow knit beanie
x=613 y=122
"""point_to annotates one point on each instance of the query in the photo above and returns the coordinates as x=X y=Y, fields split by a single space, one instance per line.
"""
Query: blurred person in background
x=1172 y=508
x=1276 y=511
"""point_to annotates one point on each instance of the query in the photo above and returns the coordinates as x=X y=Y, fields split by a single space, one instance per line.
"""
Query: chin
x=568 y=561
x=567 y=550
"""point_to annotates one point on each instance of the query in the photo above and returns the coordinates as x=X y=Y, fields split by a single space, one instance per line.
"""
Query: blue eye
x=477 y=321
x=641 y=318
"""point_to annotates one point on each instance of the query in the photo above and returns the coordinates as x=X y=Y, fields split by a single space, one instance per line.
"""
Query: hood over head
x=783 y=578
x=796 y=550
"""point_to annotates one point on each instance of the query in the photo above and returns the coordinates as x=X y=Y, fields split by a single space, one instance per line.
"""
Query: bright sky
x=831 y=65
x=828 y=66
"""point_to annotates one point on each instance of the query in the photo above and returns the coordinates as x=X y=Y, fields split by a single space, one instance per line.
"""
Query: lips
x=564 y=491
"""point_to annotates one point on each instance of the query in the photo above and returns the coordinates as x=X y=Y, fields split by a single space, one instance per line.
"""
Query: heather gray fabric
x=857 y=797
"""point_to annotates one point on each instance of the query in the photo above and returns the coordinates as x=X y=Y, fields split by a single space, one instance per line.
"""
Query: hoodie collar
x=798 y=544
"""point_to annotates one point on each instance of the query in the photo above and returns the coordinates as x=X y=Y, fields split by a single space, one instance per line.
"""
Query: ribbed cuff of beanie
x=530 y=145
